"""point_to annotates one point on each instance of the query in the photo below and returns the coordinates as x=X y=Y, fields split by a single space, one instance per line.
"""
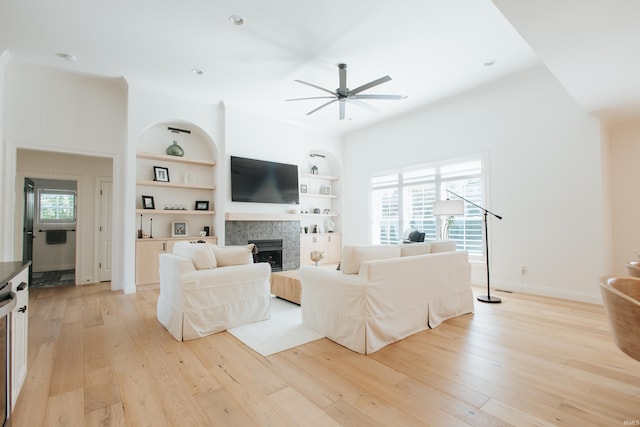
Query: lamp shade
x=448 y=207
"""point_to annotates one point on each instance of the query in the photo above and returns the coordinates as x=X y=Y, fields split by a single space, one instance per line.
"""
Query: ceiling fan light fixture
x=197 y=71
x=236 y=20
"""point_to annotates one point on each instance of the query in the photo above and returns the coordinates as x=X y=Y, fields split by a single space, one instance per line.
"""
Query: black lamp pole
x=484 y=298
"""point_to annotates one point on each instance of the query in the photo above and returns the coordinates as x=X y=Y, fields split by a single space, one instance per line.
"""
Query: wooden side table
x=286 y=285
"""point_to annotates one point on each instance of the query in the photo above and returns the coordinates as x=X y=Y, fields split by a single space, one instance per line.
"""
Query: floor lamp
x=447 y=208
x=484 y=298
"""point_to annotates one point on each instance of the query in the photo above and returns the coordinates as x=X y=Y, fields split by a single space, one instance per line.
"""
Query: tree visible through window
x=404 y=200
x=56 y=206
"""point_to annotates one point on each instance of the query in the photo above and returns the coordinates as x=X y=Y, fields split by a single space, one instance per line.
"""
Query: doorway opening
x=49 y=238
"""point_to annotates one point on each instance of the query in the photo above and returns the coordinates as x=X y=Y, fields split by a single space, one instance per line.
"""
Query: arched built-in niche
x=175 y=194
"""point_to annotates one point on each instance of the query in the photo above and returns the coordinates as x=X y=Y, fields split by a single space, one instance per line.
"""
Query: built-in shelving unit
x=175 y=185
x=190 y=180
x=175 y=159
x=315 y=176
x=319 y=194
x=170 y=188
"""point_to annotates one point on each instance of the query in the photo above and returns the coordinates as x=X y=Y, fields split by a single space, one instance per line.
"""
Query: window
x=404 y=200
x=56 y=206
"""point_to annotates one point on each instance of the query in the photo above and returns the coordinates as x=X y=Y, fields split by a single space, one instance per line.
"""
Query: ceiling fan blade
x=312 y=97
x=369 y=85
x=317 y=87
x=322 y=106
x=342 y=108
x=392 y=97
x=363 y=105
x=343 y=78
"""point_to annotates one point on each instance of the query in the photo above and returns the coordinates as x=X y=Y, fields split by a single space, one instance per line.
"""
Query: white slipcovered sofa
x=384 y=293
x=206 y=289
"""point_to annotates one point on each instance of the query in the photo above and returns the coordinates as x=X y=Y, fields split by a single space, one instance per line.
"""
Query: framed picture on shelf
x=160 y=174
x=325 y=190
x=202 y=205
x=148 y=203
x=303 y=188
x=179 y=229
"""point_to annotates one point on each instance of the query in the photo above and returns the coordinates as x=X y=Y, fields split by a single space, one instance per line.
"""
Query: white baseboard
x=593 y=298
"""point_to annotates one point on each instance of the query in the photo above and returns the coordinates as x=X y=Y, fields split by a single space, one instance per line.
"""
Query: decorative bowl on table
x=316 y=256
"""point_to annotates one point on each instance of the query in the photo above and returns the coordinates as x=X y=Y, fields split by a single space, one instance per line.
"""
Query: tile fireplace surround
x=240 y=232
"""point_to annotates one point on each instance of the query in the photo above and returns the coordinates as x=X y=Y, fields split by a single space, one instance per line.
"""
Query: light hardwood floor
x=100 y=358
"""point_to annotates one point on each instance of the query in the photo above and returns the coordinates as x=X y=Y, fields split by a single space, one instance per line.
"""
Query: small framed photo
x=303 y=188
x=179 y=229
x=325 y=190
x=202 y=205
x=148 y=203
x=160 y=174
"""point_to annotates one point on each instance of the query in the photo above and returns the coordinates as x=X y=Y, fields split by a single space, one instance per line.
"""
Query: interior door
x=105 y=230
x=29 y=212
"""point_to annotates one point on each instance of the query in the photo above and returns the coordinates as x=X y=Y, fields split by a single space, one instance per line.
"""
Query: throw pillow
x=353 y=256
x=233 y=255
x=200 y=254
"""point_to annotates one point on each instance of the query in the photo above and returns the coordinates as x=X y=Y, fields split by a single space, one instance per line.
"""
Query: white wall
x=544 y=172
x=57 y=111
x=625 y=179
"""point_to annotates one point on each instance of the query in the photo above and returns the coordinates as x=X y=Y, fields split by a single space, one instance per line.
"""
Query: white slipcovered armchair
x=206 y=289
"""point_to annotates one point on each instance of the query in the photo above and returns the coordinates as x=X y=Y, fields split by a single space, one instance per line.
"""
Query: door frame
x=78 y=179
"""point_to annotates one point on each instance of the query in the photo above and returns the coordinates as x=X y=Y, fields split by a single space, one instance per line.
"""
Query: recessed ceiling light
x=68 y=57
x=197 y=71
x=489 y=63
x=236 y=20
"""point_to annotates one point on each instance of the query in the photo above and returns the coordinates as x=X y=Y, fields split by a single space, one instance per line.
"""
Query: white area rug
x=283 y=331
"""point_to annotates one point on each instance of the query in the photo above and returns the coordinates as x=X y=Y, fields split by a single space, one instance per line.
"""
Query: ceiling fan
x=343 y=94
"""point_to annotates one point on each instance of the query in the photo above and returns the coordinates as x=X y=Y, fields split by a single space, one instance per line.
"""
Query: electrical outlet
x=523 y=270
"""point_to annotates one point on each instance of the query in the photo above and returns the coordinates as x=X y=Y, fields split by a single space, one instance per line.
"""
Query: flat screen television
x=261 y=181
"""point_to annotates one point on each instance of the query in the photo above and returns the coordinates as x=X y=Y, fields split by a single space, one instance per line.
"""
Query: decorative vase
x=175 y=150
x=316 y=256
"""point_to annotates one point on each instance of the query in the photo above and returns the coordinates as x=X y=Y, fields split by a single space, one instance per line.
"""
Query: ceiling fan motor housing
x=344 y=94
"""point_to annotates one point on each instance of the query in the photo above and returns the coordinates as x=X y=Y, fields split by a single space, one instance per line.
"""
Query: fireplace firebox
x=269 y=251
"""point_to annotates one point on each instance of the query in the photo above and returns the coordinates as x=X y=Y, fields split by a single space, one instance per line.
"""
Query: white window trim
x=483 y=157
x=37 y=218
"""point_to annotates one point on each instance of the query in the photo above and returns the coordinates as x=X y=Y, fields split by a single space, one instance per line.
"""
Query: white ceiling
x=432 y=49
